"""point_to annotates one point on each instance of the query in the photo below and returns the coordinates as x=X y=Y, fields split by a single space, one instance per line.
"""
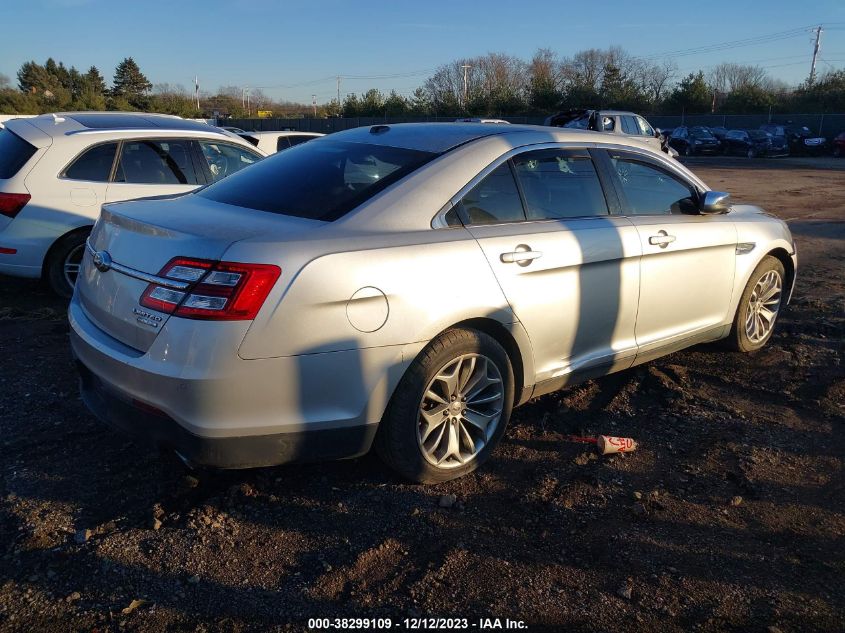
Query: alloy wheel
x=72 y=264
x=460 y=411
x=763 y=306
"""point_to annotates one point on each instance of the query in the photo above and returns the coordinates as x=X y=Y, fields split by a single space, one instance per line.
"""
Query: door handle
x=662 y=239
x=521 y=257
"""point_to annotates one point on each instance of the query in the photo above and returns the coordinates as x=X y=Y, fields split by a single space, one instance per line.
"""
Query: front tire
x=449 y=410
x=62 y=266
x=759 y=307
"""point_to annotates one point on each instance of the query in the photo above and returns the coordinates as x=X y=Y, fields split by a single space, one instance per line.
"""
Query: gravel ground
x=730 y=516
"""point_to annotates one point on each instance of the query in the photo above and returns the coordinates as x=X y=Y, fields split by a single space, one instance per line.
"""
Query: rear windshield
x=14 y=152
x=320 y=180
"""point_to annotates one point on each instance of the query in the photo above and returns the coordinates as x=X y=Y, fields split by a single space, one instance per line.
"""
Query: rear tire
x=759 y=307
x=62 y=265
x=413 y=436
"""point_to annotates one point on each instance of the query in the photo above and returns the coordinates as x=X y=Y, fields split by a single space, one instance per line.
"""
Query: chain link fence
x=824 y=124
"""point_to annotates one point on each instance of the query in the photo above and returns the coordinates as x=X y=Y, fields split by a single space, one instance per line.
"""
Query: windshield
x=701 y=133
x=758 y=134
x=321 y=180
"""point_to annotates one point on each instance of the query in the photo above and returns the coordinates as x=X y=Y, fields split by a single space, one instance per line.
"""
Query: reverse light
x=12 y=203
x=218 y=291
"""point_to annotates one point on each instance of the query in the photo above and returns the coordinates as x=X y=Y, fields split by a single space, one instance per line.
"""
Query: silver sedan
x=406 y=286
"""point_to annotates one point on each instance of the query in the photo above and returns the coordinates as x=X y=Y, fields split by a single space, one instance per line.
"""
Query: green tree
x=748 y=100
x=130 y=84
x=396 y=104
x=94 y=81
x=692 y=95
x=372 y=103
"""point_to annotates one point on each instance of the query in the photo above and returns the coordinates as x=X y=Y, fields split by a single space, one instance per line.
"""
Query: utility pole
x=466 y=68
x=818 y=31
x=338 y=91
x=314 y=104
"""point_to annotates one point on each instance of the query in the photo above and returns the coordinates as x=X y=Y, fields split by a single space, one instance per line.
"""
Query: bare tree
x=727 y=77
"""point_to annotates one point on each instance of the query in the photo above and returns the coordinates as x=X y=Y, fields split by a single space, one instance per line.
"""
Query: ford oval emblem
x=102 y=260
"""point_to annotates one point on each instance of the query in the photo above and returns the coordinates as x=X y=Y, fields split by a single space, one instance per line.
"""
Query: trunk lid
x=141 y=237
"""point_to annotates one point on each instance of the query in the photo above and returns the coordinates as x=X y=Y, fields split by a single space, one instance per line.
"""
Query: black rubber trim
x=117 y=410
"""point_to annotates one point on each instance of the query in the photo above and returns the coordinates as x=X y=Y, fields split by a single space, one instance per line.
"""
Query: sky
x=295 y=50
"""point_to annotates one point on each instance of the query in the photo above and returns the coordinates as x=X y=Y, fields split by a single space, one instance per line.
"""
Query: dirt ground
x=730 y=516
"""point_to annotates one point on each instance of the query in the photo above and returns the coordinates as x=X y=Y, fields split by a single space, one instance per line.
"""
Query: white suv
x=56 y=170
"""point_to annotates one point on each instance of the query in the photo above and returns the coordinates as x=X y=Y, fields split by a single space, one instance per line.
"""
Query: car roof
x=279 y=133
x=441 y=137
x=65 y=123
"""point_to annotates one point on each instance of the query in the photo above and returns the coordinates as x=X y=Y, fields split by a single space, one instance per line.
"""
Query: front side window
x=650 y=190
x=493 y=200
x=559 y=183
x=94 y=164
x=645 y=128
x=282 y=142
x=224 y=159
x=152 y=162
x=318 y=181
x=296 y=139
x=629 y=125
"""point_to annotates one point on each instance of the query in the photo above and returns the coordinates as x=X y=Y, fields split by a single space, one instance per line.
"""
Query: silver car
x=406 y=286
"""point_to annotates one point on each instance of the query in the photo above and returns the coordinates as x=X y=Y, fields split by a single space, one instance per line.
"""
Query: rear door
x=154 y=167
x=687 y=266
x=567 y=267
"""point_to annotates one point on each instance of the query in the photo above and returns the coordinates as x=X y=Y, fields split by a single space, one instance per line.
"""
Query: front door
x=569 y=270
x=688 y=260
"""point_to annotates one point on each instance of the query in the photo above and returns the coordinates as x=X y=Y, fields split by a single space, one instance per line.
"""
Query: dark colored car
x=798 y=137
x=839 y=145
x=719 y=132
x=694 y=140
x=749 y=143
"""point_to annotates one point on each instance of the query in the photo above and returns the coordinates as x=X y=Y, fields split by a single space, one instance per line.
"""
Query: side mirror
x=714 y=202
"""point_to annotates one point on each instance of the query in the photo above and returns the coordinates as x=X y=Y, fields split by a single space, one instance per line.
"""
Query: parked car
x=694 y=140
x=718 y=131
x=272 y=142
x=750 y=143
x=839 y=144
x=407 y=285
x=57 y=169
x=780 y=140
x=625 y=124
x=799 y=138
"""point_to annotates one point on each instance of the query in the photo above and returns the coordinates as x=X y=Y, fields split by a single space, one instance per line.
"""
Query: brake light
x=12 y=203
x=218 y=291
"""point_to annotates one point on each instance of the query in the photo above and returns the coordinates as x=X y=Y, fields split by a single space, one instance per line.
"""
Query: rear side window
x=493 y=200
x=93 y=164
x=224 y=159
x=14 y=153
x=319 y=181
x=156 y=163
x=649 y=190
x=559 y=184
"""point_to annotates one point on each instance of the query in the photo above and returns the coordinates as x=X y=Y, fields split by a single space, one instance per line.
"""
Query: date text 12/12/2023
x=416 y=624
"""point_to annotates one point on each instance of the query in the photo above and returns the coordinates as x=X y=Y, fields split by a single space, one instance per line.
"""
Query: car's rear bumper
x=191 y=392
x=156 y=428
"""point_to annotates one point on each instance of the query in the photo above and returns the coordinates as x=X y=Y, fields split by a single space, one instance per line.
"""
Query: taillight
x=224 y=291
x=12 y=203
